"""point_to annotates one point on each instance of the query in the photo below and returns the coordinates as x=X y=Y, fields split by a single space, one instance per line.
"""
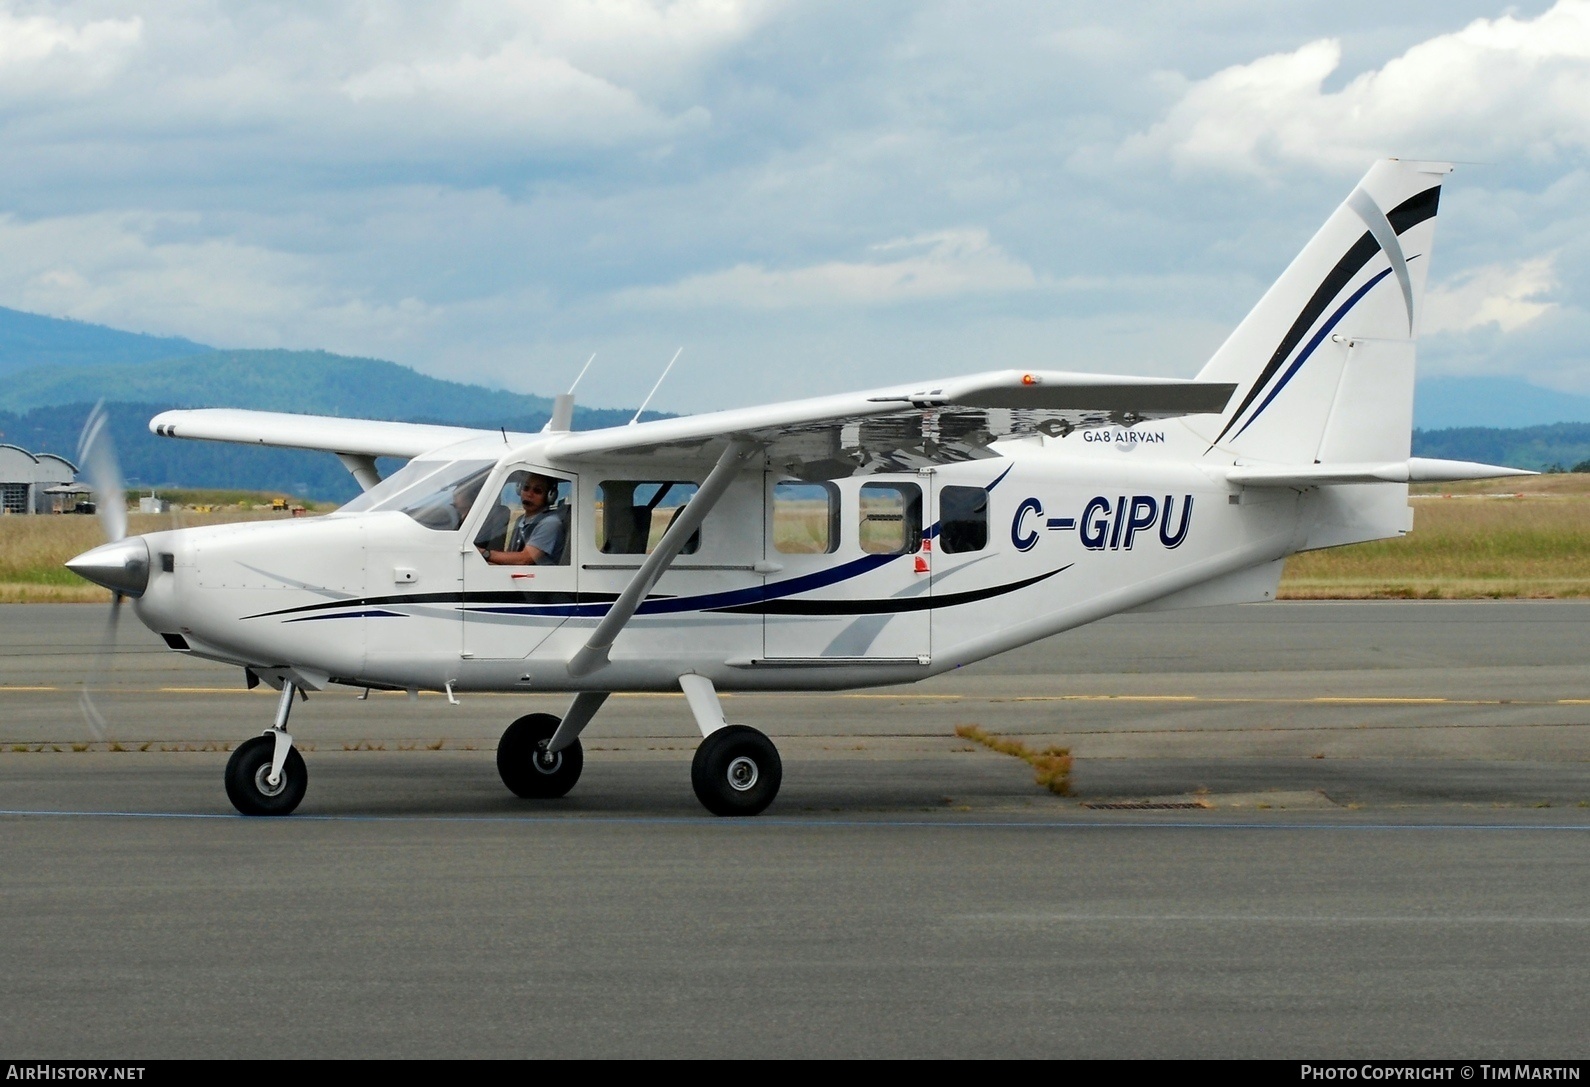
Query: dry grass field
x=1526 y=537
x=32 y=550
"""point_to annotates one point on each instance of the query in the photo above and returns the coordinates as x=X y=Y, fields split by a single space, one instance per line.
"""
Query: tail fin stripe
x=1415 y=210
x=1369 y=211
x=1346 y=268
x=1319 y=338
x=1412 y=211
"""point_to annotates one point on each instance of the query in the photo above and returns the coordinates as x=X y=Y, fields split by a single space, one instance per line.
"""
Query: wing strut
x=593 y=654
x=362 y=468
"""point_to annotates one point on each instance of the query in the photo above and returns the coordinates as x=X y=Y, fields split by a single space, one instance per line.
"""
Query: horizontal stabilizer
x=358 y=437
x=1412 y=470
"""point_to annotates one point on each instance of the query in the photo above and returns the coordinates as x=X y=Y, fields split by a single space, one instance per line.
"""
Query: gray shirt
x=544 y=532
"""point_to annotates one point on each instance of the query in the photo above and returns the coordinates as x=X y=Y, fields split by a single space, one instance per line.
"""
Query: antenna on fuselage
x=655 y=387
x=562 y=420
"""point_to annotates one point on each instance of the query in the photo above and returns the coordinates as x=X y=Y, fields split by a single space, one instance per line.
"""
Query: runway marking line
x=1318 y=700
x=777 y=822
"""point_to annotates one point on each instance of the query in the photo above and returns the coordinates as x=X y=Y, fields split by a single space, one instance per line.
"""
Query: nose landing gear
x=266 y=775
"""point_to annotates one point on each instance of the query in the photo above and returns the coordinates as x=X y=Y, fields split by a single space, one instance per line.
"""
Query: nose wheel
x=266 y=775
x=736 y=771
x=526 y=765
x=248 y=778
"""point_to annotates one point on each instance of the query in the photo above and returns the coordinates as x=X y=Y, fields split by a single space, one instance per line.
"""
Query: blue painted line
x=1062 y=523
x=778 y=821
x=351 y=615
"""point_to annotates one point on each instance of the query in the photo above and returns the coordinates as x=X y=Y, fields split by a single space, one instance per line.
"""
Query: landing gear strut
x=736 y=770
x=266 y=775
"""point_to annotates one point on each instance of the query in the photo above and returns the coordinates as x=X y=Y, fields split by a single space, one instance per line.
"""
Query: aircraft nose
x=122 y=567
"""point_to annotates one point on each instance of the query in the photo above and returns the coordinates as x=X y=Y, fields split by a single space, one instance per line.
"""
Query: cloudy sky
x=808 y=197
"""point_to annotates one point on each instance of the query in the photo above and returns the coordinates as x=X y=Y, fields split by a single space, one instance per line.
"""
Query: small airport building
x=37 y=482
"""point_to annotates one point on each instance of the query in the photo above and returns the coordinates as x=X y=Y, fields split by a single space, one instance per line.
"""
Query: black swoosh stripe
x=508 y=596
x=1412 y=211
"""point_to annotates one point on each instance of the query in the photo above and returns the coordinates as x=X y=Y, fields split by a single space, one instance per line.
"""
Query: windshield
x=436 y=493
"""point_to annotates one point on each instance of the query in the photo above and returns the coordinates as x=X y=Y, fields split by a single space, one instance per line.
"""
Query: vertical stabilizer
x=1324 y=363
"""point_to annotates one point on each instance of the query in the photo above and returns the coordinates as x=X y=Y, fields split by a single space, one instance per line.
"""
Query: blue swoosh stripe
x=711 y=601
x=1319 y=337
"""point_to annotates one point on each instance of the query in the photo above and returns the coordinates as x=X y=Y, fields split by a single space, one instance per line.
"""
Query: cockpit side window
x=513 y=519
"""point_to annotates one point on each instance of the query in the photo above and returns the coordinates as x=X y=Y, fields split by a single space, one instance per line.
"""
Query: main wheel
x=525 y=766
x=736 y=771
x=247 y=772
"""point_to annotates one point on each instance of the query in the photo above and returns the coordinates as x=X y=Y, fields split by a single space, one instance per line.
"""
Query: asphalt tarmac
x=1370 y=838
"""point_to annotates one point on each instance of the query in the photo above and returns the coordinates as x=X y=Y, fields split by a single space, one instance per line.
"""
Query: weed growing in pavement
x=1051 y=766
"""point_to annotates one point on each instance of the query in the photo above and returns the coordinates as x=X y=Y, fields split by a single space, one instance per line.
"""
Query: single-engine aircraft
x=845 y=541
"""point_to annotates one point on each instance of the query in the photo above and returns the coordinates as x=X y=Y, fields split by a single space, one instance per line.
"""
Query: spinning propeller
x=122 y=565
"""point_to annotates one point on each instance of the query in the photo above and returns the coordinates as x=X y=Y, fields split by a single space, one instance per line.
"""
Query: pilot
x=538 y=535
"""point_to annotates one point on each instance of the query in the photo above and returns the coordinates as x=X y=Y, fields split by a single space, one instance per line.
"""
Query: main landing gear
x=526 y=765
x=266 y=775
x=736 y=770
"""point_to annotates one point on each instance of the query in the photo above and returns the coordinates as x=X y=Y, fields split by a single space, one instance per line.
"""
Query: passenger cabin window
x=891 y=518
x=632 y=515
x=805 y=518
x=963 y=519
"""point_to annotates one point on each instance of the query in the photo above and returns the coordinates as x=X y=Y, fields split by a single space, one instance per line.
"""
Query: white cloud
x=43 y=54
x=513 y=89
x=1499 y=87
x=931 y=266
x=120 y=269
x=1508 y=296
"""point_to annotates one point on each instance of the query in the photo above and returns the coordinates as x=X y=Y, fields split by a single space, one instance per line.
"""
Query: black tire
x=736 y=771
x=520 y=762
x=247 y=770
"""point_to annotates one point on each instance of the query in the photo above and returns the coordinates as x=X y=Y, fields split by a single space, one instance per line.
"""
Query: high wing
x=356 y=442
x=884 y=430
x=328 y=434
x=908 y=426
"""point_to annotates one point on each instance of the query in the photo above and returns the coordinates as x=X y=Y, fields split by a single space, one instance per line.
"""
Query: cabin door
x=509 y=610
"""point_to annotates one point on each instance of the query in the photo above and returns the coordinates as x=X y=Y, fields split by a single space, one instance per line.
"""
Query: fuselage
x=791 y=585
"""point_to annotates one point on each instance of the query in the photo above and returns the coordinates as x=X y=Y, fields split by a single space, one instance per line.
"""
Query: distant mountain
x=148 y=461
x=312 y=382
x=1444 y=403
x=29 y=341
x=54 y=369
x=1539 y=448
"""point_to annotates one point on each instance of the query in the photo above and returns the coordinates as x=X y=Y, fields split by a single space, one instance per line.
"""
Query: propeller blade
x=97 y=456
x=102 y=663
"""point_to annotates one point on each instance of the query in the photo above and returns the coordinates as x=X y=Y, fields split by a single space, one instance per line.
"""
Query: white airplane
x=847 y=541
